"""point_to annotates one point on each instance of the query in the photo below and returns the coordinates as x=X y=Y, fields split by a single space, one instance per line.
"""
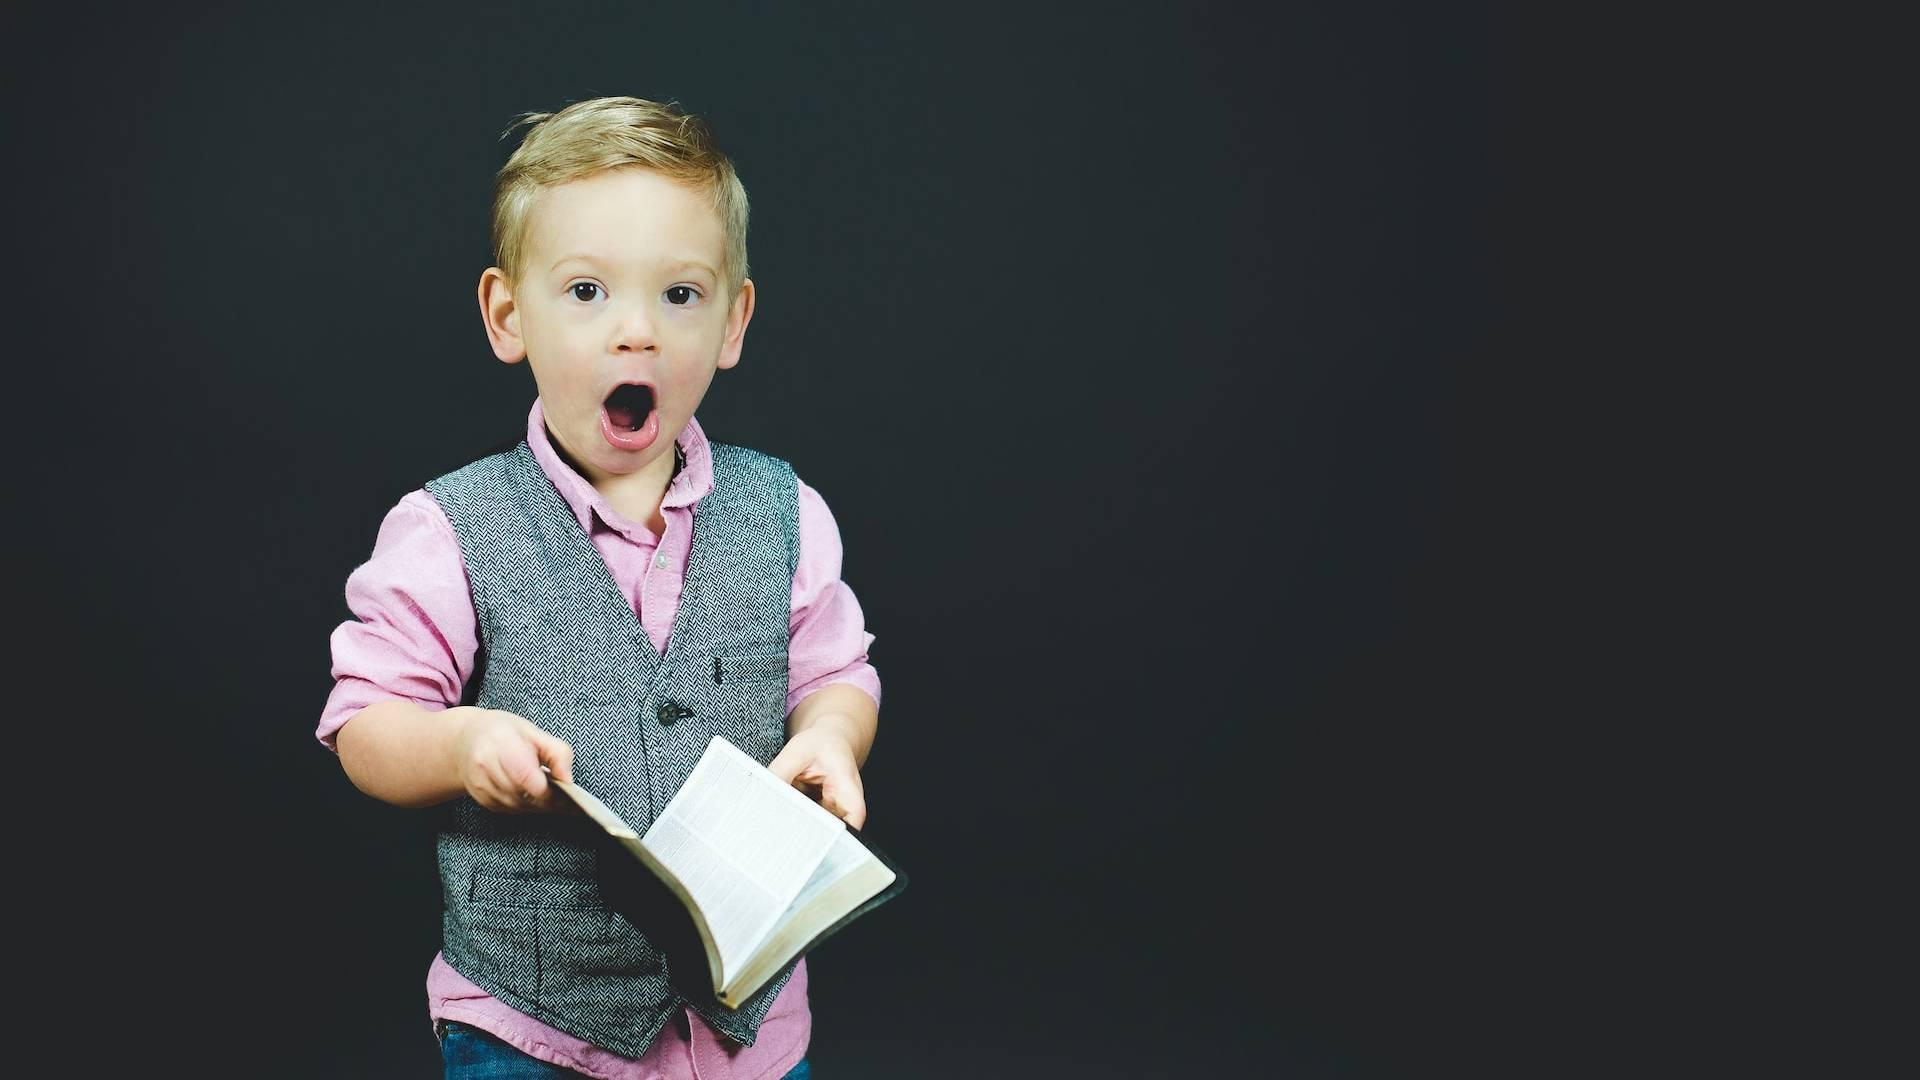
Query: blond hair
x=591 y=136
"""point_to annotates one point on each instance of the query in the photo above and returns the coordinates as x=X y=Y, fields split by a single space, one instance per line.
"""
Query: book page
x=843 y=858
x=743 y=843
x=846 y=878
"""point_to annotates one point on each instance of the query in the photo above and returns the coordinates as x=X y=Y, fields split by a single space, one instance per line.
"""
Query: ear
x=501 y=316
x=737 y=318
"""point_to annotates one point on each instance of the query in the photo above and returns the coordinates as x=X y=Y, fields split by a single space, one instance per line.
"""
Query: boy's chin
x=628 y=462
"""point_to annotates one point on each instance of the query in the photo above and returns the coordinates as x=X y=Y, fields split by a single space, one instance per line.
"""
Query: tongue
x=622 y=417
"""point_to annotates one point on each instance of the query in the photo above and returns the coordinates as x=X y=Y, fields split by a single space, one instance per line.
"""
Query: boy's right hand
x=498 y=754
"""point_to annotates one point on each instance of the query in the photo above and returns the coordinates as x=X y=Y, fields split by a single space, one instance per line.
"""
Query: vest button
x=669 y=711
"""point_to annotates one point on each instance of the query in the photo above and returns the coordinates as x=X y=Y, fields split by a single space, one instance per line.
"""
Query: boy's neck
x=634 y=496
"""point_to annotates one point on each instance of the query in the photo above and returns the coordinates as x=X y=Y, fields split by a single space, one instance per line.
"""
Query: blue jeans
x=473 y=1054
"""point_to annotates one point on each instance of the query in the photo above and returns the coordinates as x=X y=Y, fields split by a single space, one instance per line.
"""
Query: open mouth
x=627 y=407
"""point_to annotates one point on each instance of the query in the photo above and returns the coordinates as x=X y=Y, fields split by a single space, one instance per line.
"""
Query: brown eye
x=681 y=295
x=576 y=287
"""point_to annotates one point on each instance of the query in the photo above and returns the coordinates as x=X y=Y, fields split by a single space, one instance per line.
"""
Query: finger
x=555 y=801
x=526 y=783
x=515 y=800
x=789 y=762
x=496 y=791
x=500 y=800
x=556 y=755
x=847 y=802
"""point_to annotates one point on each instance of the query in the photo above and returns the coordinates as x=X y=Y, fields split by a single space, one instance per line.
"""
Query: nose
x=633 y=330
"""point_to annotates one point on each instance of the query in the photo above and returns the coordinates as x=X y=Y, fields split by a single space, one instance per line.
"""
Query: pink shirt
x=414 y=636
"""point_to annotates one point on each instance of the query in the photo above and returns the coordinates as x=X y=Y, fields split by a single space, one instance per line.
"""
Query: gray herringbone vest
x=562 y=647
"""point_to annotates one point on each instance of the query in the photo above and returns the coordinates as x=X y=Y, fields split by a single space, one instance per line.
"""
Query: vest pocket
x=611 y=946
x=740 y=669
x=550 y=893
x=519 y=927
x=749 y=691
x=502 y=932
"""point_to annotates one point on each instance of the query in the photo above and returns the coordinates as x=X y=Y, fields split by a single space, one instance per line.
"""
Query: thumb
x=556 y=755
x=552 y=751
x=846 y=801
x=788 y=762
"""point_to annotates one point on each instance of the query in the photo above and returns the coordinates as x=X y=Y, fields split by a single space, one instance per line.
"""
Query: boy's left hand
x=820 y=762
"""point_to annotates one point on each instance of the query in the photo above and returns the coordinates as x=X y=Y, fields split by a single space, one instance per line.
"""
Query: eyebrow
x=683 y=263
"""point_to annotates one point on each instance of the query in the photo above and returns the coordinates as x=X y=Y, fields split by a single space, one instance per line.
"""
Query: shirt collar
x=688 y=486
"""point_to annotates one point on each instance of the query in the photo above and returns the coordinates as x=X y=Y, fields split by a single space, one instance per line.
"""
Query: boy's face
x=622 y=313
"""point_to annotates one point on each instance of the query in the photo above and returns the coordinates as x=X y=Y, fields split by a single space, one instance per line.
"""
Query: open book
x=765 y=872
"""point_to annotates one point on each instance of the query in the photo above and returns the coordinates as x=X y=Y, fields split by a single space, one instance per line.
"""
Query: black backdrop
x=1133 y=349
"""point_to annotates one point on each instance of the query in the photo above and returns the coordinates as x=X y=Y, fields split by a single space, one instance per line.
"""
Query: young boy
x=599 y=600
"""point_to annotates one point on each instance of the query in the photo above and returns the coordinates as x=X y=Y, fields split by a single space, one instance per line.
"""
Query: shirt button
x=660 y=560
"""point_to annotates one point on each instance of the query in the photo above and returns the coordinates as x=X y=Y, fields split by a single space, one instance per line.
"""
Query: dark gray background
x=1136 y=351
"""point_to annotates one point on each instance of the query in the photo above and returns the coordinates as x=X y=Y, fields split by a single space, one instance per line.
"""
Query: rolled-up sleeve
x=827 y=637
x=412 y=635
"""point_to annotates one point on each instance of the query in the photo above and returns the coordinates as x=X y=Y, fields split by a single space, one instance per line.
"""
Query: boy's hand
x=820 y=762
x=498 y=755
